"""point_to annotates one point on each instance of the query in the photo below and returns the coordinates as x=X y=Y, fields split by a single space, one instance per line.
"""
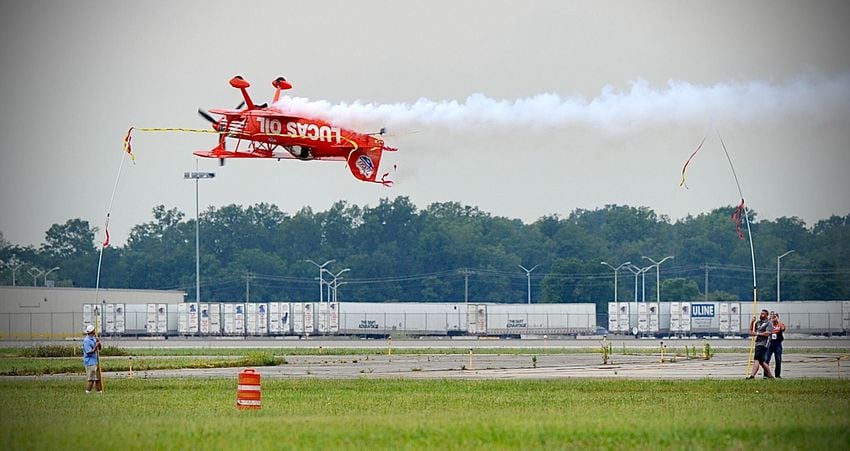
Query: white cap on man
x=89 y=328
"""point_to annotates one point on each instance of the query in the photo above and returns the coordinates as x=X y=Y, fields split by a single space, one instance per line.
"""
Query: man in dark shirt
x=762 y=330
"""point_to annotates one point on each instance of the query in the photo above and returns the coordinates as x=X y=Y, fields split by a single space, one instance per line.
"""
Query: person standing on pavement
x=91 y=346
x=762 y=329
x=777 y=336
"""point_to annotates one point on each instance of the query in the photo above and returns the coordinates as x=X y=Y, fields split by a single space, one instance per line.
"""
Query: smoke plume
x=809 y=96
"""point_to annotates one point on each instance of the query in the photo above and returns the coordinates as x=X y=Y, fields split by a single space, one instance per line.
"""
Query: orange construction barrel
x=248 y=390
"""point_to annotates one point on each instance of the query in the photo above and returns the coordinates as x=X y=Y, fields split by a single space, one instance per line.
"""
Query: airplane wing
x=224 y=111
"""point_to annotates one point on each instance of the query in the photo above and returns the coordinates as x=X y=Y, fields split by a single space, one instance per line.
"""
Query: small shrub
x=259 y=358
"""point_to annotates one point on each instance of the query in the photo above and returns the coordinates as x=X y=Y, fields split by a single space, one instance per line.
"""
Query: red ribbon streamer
x=685 y=167
x=736 y=216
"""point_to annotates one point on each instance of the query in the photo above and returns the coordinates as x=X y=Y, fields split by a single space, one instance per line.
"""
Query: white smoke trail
x=811 y=96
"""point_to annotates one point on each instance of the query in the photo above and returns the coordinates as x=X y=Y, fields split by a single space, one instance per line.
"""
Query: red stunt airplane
x=270 y=132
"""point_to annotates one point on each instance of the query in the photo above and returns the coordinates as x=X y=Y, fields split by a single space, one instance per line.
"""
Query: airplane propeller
x=207 y=116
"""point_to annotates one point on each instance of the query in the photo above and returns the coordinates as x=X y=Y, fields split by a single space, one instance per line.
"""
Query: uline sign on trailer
x=702 y=315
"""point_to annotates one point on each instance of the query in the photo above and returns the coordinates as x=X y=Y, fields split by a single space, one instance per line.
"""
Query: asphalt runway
x=523 y=366
x=617 y=342
x=524 y=359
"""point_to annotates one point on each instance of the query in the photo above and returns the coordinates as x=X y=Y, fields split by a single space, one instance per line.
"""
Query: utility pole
x=247 y=287
x=466 y=272
x=706 y=268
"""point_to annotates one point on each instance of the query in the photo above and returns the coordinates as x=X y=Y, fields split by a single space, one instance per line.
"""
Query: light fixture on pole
x=643 y=282
x=615 y=275
x=35 y=273
x=636 y=271
x=48 y=272
x=657 y=265
x=332 y=285
x=778 y=297
x=14 y=265
x=321 y=279
x=528 y=275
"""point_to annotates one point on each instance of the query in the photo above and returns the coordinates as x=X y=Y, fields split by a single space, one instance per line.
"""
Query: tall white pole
x=528 y=276
x=197 y=244
x=197 y=176
x=657 y=265
x=618 y=268
x=47 y=274
x=321 y=279
x=636 y=271
x=778 y=297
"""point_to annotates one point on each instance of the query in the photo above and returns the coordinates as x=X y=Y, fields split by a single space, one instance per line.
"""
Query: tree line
x=448 y=252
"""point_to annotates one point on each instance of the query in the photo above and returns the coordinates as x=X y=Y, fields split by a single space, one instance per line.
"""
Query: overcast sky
x=523 y=109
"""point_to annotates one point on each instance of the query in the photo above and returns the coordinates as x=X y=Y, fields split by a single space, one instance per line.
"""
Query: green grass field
x=429 y=414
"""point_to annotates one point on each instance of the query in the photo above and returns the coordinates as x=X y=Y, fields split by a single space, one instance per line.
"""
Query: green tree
x=679 y=289
x=74 y=238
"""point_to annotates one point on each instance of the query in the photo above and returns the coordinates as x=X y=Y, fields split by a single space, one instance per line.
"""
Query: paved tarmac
x=490 y=366
x=524 y=359
x=617 y=342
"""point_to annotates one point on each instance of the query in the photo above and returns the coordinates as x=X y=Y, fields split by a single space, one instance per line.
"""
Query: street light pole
x=615 y=275
x=35 y=273
x=14 y=265
x=48 y=272
x=528 y=275
x=657 y=275
x=636 y=271
x=321 y=279
x=332 y=284
x=779 y=298
x=196 y=176
x=706 y=268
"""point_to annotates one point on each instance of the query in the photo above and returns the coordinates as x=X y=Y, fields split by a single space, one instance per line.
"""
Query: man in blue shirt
x=91 y=346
